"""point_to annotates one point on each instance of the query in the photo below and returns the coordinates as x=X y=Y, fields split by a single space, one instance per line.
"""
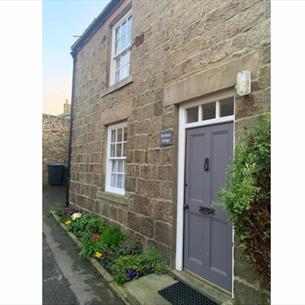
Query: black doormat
x=181 y=294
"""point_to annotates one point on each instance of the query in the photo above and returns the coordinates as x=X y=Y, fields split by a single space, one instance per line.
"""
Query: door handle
x=206 y=211
x=186 y=206
x=206 y=164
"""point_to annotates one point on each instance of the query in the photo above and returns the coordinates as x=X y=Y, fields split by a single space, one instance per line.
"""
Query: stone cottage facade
x=147 y=76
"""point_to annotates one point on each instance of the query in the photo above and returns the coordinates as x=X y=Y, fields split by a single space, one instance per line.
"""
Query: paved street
x=67 y=279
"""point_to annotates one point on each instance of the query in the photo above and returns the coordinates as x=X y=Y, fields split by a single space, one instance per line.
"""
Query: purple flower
x=131 y=273
x=69 y=211
x=105 y=262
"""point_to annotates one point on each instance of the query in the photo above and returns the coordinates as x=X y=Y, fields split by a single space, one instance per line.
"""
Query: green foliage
x=153 y=260
x=123 y=264
x=86 y=225
x=61 y=214
x=128 y=247
x=106 y=243
x=58 y=211
x=128 y=267
x=111 y=238
x=89 y=248
x=123 y=258
x=247 y=195
x=94 y=225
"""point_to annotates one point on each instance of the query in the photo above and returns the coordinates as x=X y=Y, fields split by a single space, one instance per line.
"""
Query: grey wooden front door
x=207 y=229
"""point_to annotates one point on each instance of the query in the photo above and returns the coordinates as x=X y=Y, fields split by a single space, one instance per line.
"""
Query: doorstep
x=214 y=294
x=145 y=289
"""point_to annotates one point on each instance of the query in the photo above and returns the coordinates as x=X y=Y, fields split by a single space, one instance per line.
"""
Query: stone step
x=211 y=292
x=145 y=289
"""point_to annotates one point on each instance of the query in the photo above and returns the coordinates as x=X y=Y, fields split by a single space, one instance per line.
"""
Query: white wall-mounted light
x=243 y=83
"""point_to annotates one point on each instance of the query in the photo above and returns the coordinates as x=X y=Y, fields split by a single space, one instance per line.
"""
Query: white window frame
x=113 y=55
x=108 y=187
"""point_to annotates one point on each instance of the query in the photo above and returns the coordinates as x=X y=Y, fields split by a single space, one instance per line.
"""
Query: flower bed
x=124 y=259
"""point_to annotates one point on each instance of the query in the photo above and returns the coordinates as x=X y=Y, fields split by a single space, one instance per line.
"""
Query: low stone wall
x=55 y=142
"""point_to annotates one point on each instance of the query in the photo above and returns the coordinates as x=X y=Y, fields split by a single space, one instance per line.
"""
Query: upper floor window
x=121 y=45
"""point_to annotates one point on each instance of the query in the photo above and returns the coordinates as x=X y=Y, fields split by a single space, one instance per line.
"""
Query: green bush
x=110 y=238
x=106 y=243
x=153 y=261
x=78 y=226
x=247 y=195
x=89 y=248
x=86 y=225
x=128 y=267
x=128 y=247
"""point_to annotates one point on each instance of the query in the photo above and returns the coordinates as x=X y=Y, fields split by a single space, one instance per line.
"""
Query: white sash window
x=116 y=156
x=121 y=46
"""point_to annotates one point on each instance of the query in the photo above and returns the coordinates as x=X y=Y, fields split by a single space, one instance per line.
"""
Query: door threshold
x=217 y=295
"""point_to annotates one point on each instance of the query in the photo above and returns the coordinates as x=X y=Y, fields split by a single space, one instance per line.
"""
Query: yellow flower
x=68 y=222
x=98 y=254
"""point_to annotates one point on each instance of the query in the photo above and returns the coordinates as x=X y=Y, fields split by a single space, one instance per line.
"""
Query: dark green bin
x=57 y=174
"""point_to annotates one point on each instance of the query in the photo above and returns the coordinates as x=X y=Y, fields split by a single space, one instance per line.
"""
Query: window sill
x=112 y=197
x=122 y=83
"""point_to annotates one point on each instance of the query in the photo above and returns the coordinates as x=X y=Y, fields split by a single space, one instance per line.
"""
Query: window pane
x=118 y=32
x=122 y=65
x=124 y=40
x=124 y=72
x=120 y=166
x=127 y=57
x=112 y=150
x=125 y=134
x=192 y=115
x=117 y=68
x=118 y=40
x=118 y=150
x=124 y=27
x=208 y=111
x=227 y=107
x=117 y=75
x=119 y=183
x=124 y=150
x=113 y=180
x=112 y=136
x=129 y=23
x=123 y=181
x=114 y=166
x=120 y=133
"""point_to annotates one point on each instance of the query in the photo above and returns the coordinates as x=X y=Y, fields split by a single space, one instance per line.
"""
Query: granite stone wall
x=182 y=40
x=55 y=141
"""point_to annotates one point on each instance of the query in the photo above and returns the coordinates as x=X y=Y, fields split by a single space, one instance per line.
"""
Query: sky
x=62 y=19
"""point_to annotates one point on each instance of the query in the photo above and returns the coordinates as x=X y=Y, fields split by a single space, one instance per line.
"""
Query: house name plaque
x=166 y=137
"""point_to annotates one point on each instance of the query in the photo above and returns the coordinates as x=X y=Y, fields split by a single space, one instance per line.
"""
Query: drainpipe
x=70 y=135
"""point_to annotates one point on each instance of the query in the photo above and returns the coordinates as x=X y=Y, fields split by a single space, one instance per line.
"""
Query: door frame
x=183 y=126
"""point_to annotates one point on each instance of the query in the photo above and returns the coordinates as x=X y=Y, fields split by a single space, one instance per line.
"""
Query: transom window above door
x=210 y=111
x=116 y=156
x=121 y=46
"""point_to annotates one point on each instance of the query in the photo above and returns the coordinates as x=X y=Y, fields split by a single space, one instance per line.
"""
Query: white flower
x=76 y=215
